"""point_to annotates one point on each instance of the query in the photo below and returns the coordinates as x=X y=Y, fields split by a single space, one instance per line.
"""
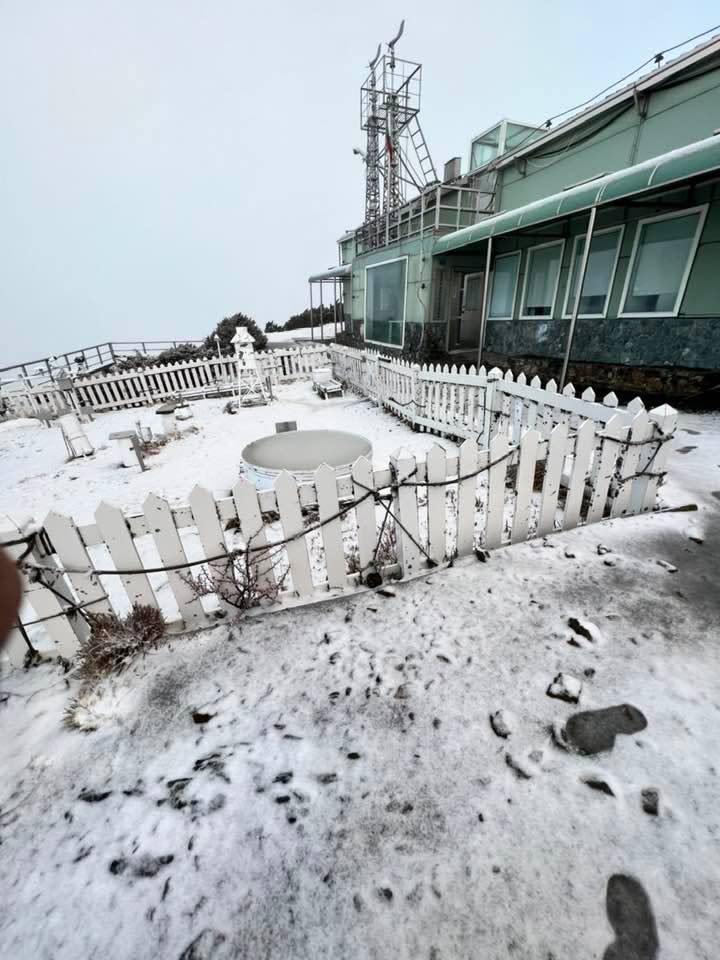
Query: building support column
x=578 y=295
x=335 y=305
x=322 y=318
x=312 y=325
x=486 y=305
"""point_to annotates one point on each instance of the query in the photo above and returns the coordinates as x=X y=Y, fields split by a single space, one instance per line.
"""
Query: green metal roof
x=669 y=168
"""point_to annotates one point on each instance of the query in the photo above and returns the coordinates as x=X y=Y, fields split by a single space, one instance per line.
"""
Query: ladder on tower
x=417 y=138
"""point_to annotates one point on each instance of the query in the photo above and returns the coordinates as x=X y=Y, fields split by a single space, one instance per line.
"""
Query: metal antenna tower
x=372 y=159
x=389 y=107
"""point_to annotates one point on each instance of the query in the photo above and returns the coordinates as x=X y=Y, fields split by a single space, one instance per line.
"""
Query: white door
x=471 y=310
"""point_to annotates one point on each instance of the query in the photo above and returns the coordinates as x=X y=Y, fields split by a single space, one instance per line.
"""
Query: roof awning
x=335 y=273
x=669 y=168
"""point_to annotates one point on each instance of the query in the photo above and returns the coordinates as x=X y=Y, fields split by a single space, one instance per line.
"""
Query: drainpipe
x=312 y=325
x=486 y=305
x=580 y=284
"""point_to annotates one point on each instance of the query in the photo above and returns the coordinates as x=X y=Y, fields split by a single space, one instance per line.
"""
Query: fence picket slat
x=604 y=468
x=160 y=521
x=524 y=484
x=405 y=508
x=467 y=465
x=210 y=532
x=495 y=521
x=436 y=502
x=641 y=430
x=328 y=506
x=665 y=420
x=118 y=539
x=292 y=524
x=365 y=517
x=584 y=444
x=72 y=553
x=253 y=530
x=551 y=482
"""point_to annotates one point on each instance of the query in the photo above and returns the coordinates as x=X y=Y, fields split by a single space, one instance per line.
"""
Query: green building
x=486 y=266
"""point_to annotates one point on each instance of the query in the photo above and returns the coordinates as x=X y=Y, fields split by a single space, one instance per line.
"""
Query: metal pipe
x=486 y=305
x=580 y=283
x=322 y=317
x=335 y=305
x=312 y=325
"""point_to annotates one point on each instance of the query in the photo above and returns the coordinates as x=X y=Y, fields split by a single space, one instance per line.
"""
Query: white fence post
x=405 y=508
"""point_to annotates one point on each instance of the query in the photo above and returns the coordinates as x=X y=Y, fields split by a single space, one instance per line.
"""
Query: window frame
x=702 y=210
x=567 y=314
x=504 y=256
x=528 y=260
x=371 y=266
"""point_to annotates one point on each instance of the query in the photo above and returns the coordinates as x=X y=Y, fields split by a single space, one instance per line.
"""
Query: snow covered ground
x=347 y=796
x=302 y=333
x=37 y=478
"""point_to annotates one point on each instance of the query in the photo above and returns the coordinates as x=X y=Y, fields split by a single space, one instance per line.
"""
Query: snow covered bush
x=114 y=642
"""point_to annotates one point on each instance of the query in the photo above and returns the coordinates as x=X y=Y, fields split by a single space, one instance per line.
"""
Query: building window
x=385 y=288
x=485 y=148
x=660 y=264
x=599 y=273
x=504 y=285
x=541 y=280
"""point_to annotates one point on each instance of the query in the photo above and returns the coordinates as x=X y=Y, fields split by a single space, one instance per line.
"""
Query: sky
x=165 y=164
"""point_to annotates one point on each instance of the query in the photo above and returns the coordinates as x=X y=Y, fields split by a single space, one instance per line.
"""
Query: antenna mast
x=389 y=106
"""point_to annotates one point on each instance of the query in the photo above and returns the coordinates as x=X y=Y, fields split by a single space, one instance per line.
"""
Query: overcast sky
x=165 y=163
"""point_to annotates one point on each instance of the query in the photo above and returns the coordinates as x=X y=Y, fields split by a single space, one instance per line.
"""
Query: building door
x=469 y=319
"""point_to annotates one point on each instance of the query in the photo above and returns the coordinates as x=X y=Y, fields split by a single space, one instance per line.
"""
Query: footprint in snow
x=594 y=731
x=631 y=917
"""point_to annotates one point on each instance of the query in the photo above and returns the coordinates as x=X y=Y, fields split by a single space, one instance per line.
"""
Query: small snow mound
x=502 y=723
x=565 y=687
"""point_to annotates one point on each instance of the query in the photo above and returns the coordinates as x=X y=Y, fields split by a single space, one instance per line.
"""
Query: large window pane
x=543 y=270
x=663 y=250
x=504 y=280
x=485 y=148
x=385 y=302
x=598 y=275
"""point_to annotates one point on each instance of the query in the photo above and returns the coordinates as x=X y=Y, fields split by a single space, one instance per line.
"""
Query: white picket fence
x=467 y=402
x=147 y=385
x=547 y=467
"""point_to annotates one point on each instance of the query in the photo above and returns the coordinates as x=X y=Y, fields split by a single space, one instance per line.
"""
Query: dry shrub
x=237 y=583
x=114 y=642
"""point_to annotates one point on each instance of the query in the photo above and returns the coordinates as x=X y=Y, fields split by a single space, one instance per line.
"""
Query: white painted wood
x=405 y=508
x=606 y=463
x=210 y=532
x=167 y=540
x=365 y=513
x=292 y=524
x=495 y=522
x=524 y=485
x=551 y=482
x=634 y=459
x=116 y=535
x=436 y=502
x=584 y=445
x=73 y=556
x=467 y=465
x=635 y=406
x=252 y=528
x=332 y=535
x=57 y=625
x=665 y=420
